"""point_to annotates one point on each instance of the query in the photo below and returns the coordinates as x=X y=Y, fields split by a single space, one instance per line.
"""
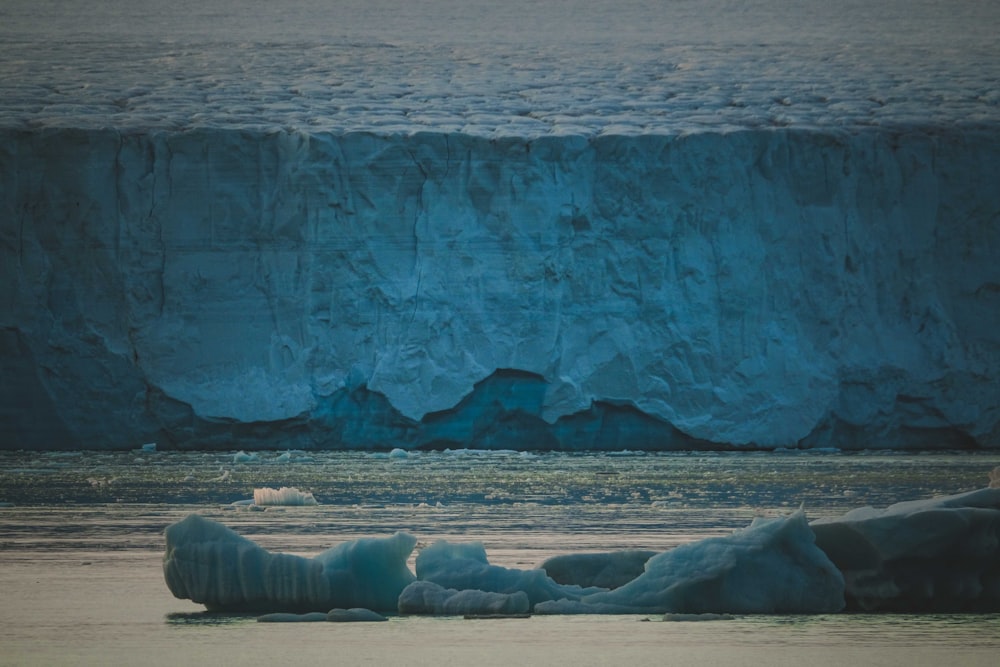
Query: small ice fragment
x=149 y=447
x=398 y=453
x=698 y=617
x=243 y=457
x=286 y=496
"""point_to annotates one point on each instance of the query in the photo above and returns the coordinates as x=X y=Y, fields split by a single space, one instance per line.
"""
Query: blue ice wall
x=235 y=288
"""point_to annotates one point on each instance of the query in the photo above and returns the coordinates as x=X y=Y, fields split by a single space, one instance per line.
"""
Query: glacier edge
x=749 y=288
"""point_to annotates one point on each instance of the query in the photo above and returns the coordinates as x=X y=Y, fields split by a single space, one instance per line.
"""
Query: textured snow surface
x=516 y=68
x=506 y=225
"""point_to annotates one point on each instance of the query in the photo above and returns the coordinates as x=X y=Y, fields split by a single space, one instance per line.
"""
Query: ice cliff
x=237 y=288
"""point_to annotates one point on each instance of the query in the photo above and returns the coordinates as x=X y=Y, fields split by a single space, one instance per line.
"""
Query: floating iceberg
x=772 y=567
x=941 y=554
x=243 y=457
x=286 y=495
x=210 y=564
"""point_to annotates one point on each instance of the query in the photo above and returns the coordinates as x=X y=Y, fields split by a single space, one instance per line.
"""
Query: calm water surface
x=81 y=544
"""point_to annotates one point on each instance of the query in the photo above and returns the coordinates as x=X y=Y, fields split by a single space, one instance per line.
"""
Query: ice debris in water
x=293 y=455
x=243 y=457
x=285 y=496
x=941 y=554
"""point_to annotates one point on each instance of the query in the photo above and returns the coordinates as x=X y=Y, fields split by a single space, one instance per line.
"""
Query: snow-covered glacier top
x=521 y=68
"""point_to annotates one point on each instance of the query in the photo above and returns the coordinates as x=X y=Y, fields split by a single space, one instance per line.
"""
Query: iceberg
x=772 y=567
x=209 y=564
x=934 y=555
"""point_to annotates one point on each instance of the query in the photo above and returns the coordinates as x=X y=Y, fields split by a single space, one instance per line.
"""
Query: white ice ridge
x=754 y=288
x=940 y=554
x=518 y=68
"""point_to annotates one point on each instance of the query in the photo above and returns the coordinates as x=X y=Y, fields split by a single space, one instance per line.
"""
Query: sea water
x=81 y=546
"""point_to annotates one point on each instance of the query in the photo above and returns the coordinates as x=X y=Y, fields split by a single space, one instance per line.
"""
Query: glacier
x=578 y=225
x=784 y=287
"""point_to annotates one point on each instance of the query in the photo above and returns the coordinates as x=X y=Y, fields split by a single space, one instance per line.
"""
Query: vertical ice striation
x=783 y=287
